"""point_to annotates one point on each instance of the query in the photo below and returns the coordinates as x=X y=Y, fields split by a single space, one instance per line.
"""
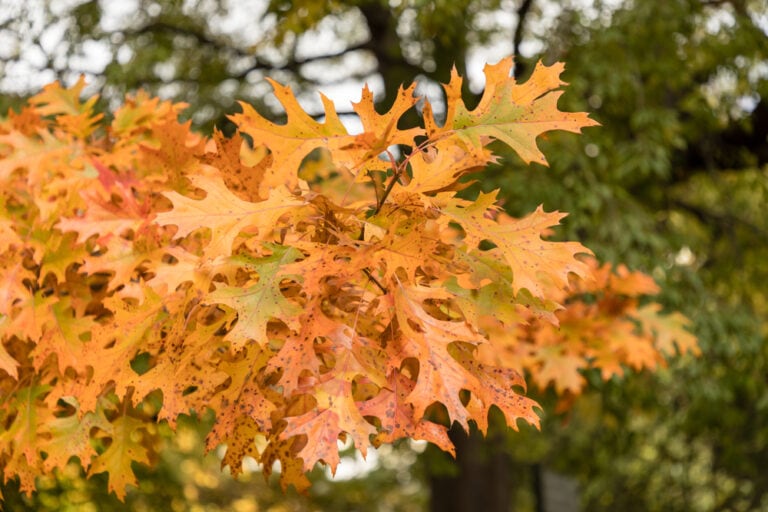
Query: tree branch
x=722 y=219
x=517 y=38
x=257 y=64
x=203 y=39
x=295 y=64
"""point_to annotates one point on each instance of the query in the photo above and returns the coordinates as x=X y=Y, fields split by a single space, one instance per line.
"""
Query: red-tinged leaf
x=322 y=430
x=336 y=395
x=297 y=355
x=396 y=415
x=336 y=413
x=497 y=387
x=111 y=209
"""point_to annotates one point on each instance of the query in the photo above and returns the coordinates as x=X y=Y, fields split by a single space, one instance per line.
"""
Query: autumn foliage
x=306 y=284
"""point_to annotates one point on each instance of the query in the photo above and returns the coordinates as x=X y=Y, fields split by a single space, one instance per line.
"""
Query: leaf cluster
x=306 y=284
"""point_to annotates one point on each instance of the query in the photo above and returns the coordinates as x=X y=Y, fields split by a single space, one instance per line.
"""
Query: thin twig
x=375 y=281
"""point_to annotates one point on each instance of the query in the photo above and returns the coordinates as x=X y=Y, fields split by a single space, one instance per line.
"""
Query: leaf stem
x=396 y=172
x=390 y=186
x=375 y=281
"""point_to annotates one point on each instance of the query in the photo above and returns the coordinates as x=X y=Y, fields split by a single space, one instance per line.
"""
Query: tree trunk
x=486 y=477
x=482 y=481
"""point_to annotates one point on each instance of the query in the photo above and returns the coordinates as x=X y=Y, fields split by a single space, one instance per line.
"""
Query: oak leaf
x=70 y=436
x=7 y=362
x=513 y=113
x=336 y=414
x=69 y=111
x=240 y=443
x=291 y=142
x=114 y=344
x=64 y=335
x=439 y=166
x=427 y=339
x=126 y=447
x=297 y=354
x=669 y=330
x=225 y=214
x=397 y=418
x=533 y=260
x=261 y=302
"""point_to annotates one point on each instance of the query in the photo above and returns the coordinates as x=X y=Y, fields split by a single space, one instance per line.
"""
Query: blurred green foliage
x=674 y=183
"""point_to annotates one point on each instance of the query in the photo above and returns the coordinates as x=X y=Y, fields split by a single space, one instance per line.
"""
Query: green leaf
x=125 y=448
x=256 y=305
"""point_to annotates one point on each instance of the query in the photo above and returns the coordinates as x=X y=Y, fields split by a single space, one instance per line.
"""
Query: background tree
x=677 y=175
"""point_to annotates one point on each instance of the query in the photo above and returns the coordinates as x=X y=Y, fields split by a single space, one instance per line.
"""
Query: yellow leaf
x=225 y=214
x=534 y=261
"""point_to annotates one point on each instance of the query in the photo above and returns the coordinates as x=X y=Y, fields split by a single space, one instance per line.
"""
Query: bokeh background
x=674 y=183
